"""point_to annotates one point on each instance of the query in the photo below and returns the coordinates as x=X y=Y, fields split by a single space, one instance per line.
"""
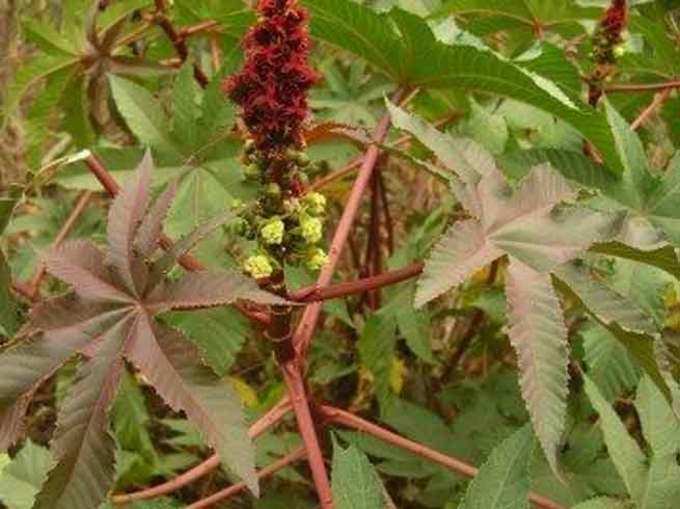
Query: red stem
x=658 y=100
x=187 y=261
x=642 y=87
x=315 y=293
x=389 y=224
x=305 y=330
x=178 y=41
x=235 y=489
x=350 y=420
x=307 y=430
x=265 y=422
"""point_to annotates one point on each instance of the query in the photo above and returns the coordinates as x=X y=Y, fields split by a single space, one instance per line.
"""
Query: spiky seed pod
x=272 y=86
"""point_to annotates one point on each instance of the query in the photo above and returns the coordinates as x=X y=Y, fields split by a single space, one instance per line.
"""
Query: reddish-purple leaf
x=125 y=215
x=150 y=230
x=173 y=367
x=12 y=421
x=81 y=264
x=208 y=289
x=81 y=444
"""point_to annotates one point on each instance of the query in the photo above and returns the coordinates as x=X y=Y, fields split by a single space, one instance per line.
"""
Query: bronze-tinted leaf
x=81 y=264
x=172 y=365
x=125 y=215
x=81 y=444
x=208 y=289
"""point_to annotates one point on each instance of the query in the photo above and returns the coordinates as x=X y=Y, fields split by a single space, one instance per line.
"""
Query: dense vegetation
x=355 y=255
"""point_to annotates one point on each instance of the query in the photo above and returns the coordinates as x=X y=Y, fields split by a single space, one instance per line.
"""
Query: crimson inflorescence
x=272 y=86
x=607 y=41
x=609 y=33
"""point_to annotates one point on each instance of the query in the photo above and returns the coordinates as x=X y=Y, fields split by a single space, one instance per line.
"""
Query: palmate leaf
x=652 y=482
x=539 y=336
x=537 y=236
x=172 y=365
x=81 y=443
x=403 y=46
x=527 y=12
x=108 y=320
x=633 y=327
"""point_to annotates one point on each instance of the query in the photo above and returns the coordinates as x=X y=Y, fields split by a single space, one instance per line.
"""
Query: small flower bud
x=238 y=226
x=258 y=266
x=316 y=259
x=253 y=171
x=311 y=229
x=315 y=203
x=273 y=189
x=291 y=206
x=302 y=159
x=272 y=231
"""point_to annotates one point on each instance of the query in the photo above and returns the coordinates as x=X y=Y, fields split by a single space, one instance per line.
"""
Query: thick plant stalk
x=274 y=415
x=305 y=330
x=235 y=489
x=347 y=419
x=315 y=293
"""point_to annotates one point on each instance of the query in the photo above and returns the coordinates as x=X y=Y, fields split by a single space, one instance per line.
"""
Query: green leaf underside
x=539 y=337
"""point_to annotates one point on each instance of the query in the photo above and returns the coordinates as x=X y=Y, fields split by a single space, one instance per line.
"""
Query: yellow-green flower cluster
x=258 y=266
x=286 y=223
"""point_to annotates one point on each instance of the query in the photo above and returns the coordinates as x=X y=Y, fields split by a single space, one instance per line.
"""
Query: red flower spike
x=272 y=86
x=614 y=20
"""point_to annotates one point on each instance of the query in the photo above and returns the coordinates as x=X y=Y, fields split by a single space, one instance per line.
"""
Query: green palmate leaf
x=81 y=443
x=38 y=68
x=376 y=351
x=604 y=302
x=503 y=480
x=629 y=460
x=131 y=418
x=660 y=426
x=184 y=95
x=609 y=364
x=143 y=114
x=539 y=336
x=173 y=367
x=626 y=321
x=574 y=166
x=528 y=12
x=21 y=479
x=411 y=55
x=355 y=483
x=664 y=258
x=219 y=333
